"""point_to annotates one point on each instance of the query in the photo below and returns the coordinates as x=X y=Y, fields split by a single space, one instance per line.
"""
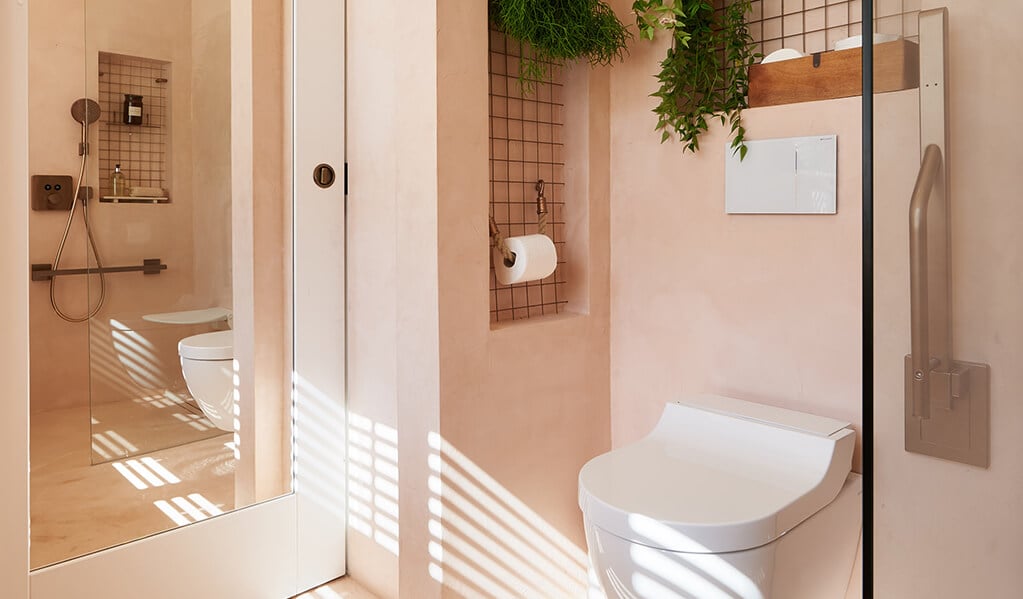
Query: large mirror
x=145 y=403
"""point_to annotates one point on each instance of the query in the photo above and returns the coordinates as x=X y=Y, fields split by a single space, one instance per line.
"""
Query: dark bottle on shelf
x=132 y=109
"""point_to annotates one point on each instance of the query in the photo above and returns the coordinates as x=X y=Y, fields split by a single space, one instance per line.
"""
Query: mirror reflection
x=143 y=411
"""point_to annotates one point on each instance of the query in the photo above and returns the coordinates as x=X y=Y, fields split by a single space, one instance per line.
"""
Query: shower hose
x=90 y=312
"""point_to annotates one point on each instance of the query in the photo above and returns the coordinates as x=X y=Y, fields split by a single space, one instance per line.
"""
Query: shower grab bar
x=926 y=356
x=45 y=272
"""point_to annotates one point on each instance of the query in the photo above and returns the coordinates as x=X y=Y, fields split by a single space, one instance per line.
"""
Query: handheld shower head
x=85 y=111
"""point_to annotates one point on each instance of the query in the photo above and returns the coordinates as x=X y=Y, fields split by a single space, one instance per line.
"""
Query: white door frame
x=274 y=549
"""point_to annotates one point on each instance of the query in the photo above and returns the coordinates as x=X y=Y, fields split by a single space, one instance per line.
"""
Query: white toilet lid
x=218 y=345
x=707 y=482
x=203 y=316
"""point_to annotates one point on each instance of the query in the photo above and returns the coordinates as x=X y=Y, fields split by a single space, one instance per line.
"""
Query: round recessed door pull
x=324 y=175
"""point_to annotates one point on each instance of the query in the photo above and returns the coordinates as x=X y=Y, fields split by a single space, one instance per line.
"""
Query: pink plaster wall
x=64 y=41
x=760 y=307
x=14 y=535
x=526 y=402
x=211 y=149
x=372 y=142
x=62 y=69
x=392 y=230
x=945 y=529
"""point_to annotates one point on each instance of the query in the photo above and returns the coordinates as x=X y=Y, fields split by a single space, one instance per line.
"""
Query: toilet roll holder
x=497 y=239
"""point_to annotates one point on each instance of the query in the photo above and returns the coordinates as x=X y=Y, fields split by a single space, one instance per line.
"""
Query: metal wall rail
x=45 y=272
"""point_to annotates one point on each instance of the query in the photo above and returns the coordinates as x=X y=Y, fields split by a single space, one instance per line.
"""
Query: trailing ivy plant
x=705 y=74
x=559 y=32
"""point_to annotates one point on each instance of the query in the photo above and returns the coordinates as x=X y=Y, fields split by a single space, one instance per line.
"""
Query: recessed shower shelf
x=142 y=126
x=134 y=200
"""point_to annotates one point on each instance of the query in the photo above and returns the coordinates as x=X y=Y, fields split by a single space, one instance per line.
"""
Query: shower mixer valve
x=52 y=192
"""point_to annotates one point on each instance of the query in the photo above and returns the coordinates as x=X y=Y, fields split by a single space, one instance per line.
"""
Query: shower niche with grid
x=142 y=150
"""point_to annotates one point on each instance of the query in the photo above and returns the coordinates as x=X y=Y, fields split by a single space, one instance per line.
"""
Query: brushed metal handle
x=920 y=313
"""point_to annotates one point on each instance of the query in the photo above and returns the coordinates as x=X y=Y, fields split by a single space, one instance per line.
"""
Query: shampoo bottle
x=118 y=183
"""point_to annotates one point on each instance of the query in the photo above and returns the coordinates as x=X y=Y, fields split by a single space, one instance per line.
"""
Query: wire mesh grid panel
x=815 y=25
x=140 y=149
x=525 y=147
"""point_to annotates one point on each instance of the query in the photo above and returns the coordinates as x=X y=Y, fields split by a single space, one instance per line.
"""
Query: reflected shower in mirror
x=143 y=408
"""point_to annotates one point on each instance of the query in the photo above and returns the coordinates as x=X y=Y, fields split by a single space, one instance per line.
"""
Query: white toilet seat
x=725 y=498
x=218 y=345
x=716 y=483
x=203 y=316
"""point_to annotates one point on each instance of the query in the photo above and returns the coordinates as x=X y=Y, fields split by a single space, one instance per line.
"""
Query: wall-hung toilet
x=723 y=499
x=207 y=361
x=146 y=345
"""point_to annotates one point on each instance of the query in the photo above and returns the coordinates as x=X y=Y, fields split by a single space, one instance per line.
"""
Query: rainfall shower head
x=85 y=111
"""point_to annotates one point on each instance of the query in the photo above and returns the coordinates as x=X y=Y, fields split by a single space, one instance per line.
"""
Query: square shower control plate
x=52 y=192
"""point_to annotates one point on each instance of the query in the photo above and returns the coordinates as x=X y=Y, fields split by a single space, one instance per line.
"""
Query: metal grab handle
x=947 y=401
x=45 y=272
x=920 y=314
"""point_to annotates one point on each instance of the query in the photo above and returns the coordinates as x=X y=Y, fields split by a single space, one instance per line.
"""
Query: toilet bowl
x=145 y=345
x=724 y=499
x=207 y=362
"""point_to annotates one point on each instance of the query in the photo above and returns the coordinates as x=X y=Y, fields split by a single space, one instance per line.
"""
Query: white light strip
x=159 y=469
x=205 y=504
x=171 y=513
x=99 y=450
x=124 y=442
x=130 y=476
x=144 y=472
x=108 y=443
x=189 y=509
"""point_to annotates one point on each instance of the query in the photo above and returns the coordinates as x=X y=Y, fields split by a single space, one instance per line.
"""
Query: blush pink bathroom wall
x=14 y=533
x=760 y=307
x=945 y=529
x=526 y=401
x=210 y=149
x=392 y=313
x=372 y=144
x=64 y=41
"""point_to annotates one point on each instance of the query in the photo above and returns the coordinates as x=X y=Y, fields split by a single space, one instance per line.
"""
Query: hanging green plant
x=560 y=32
x=705 y=74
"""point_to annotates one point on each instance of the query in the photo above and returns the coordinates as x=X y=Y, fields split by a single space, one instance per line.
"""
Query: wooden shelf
x=836 y=74
x=142 y=126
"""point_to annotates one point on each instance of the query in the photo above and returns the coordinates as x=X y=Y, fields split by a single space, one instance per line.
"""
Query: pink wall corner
x=371 y=236
x=14 y=383
x=392 y=236
x=759 y=307
x=524 y=405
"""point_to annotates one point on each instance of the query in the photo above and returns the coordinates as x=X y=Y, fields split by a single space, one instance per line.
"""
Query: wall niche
x=141 y=149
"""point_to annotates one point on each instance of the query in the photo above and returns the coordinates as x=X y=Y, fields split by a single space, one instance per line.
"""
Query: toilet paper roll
x=535 y=259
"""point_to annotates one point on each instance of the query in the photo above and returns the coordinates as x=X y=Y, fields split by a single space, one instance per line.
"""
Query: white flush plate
x=793 y=175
